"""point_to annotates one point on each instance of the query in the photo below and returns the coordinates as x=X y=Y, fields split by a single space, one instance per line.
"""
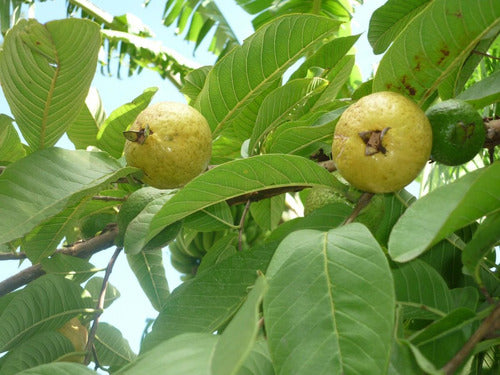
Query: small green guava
x=382 y=142
x=171 y=142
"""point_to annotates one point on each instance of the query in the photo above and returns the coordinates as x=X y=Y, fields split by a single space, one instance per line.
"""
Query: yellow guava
x=78 y=335
x=171 y=142
x=382 y=142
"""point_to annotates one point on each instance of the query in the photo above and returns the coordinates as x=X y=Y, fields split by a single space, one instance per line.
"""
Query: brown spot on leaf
x=409 y=88
x=445 y=52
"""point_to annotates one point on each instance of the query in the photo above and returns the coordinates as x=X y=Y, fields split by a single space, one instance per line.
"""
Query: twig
x=362 y=203
x=488 y=325
x=81 y=250
x=242 y=224
x=485 y=54
x=100 y=305
x=108 y=198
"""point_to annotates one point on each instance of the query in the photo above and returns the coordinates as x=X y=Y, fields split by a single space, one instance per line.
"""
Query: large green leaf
x=207 y=302
x=42 y=184
x=46 y=71
x=259 y=360
x=448 y=31
x=484 y=92
x=443 y=211
x=59 y=368
x=194 y=82
x=11 y=147
x=110 y=136
x=267 y=212
x=421 y=290
x=238 y=338
x=239 y=177
x=330 y=304
x=148 y=268
x=237 y=84
x=390 y=19
x=44 y=347
x=111 y=348
x=45 y=304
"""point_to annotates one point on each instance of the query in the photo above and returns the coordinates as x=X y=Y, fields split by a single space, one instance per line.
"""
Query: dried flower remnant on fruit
x=373 y=140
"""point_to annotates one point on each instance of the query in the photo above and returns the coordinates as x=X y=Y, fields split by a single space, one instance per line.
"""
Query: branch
x=100 y=305
x=83 y=249
x=488 y=325
x=362 y=203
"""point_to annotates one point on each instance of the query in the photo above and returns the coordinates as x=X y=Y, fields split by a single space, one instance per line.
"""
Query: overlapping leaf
x=484 y=92
x=45 y=304
x=111 y=348
x=46 y=71
x=239 y=177
x=42 y=184
x=443 y=211
x=339 y=297
x=448 y=31
x=237 y=84
x=59 y=368
x=11 y=147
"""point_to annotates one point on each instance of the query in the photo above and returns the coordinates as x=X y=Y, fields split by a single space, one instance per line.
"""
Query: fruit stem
x=362 y=203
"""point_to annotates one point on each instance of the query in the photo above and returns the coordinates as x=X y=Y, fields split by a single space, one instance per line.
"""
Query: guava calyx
x=373 y=141
x=138 y=136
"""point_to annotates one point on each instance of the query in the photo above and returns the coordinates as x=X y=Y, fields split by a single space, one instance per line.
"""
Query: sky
x=130 y=311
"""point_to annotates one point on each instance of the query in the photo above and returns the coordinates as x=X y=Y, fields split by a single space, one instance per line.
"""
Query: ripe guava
x=170 y=142
x=78 y=335
x=382 y=142
x=458 y=132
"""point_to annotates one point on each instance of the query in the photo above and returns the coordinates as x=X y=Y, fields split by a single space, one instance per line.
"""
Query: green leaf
x=267 y=212
x=237 y=340
x=148 y=268
x=285 y=103
x=94 y=287
x=338 y=292
x=59 y=368
x=44 y=347
x=241 y=177
x=185 y=354
x=387 y=22
x=424 y=363
x=110 y=136
x=207 y=302
x=484 y=92
x=327 y=56
x=73 y=268
x=421 y=290
x=237 y=84
x=11 y=147
x=485 y=238
x=213 y=218
x=83 y=130
x=45 y=304
x=402 y=361
x=194 y=82
x=223 y=248
x=42 y=184
x=46 y=71
x=443 y=211
x=135 y=236
x=448 y=31
x=111 y=348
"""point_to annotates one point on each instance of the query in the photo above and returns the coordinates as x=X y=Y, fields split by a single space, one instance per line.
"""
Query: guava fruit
x=171 y=142
x=381 y=142
x=319 y=197
x=78 y=335
x=458 y=132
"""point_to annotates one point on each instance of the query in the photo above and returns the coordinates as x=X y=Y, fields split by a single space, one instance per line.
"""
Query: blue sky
x=131 y=310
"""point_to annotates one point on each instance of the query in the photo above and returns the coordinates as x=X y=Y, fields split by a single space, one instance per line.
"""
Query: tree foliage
x=409 y=285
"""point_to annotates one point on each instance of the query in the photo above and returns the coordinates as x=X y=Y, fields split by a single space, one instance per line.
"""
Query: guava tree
x=362 y=284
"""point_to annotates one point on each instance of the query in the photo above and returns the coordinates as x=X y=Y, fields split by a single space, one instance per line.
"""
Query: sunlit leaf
x=94 y=287
x=194 y=81
x=338 y=291
x=46 y=71
x=42 y=184
x=59 y=368
x=444 y=210
x=484 y=92
x=448 y=31
x=111 y=348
